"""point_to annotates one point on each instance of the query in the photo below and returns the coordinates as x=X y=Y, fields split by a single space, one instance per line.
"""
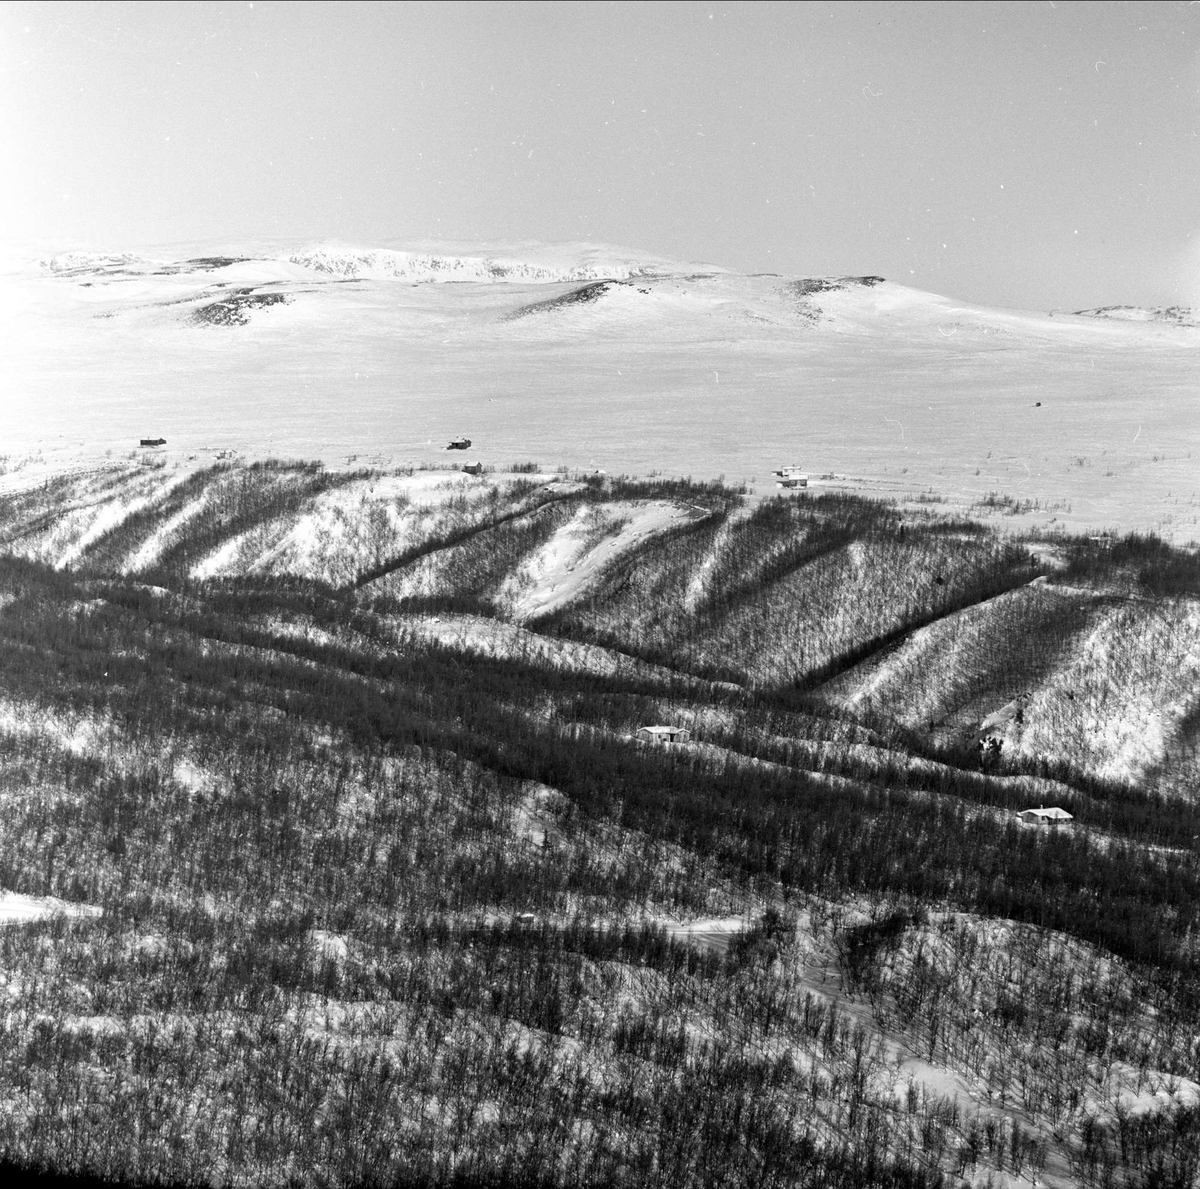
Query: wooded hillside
x=330 y=855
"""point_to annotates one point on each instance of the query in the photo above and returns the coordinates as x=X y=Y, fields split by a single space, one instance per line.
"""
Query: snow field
x=702 y=372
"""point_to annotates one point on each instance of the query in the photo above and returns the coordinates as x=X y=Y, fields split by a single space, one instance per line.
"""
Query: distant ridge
x=1175 y=315
x=532 y=262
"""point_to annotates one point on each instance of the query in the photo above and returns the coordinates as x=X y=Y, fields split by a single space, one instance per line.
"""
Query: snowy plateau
x=592 y=356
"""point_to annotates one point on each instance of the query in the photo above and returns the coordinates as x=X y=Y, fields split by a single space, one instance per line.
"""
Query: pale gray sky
x=1028 y=154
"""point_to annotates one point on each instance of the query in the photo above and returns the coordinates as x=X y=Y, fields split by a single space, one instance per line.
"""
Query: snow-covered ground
x=580 y=551
x=1075 y=421
x=1123 y=699
x=16 y=907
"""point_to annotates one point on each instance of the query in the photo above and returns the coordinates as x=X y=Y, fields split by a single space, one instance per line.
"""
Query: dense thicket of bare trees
x=371 y=910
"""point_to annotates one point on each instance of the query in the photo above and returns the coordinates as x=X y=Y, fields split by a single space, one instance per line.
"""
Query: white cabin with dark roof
x=663 y=734
x=1046 y=817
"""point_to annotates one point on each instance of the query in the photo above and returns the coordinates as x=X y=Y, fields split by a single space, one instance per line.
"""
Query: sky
x=1033 y=155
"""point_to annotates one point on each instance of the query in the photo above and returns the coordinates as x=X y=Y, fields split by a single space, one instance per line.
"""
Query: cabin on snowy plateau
x=791 y=477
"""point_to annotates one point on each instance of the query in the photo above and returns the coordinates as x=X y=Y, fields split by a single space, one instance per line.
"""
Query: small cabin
x=154 y=441
x=1046 y=817
x=791 y=477
x=472 y=468
x=459 y=444
x=663 y=734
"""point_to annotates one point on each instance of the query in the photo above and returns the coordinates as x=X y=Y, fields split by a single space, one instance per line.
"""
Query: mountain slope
x=334 y=854
x=1082 y=655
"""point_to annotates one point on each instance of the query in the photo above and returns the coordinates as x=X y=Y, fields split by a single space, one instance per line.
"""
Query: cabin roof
x=1053 y=814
